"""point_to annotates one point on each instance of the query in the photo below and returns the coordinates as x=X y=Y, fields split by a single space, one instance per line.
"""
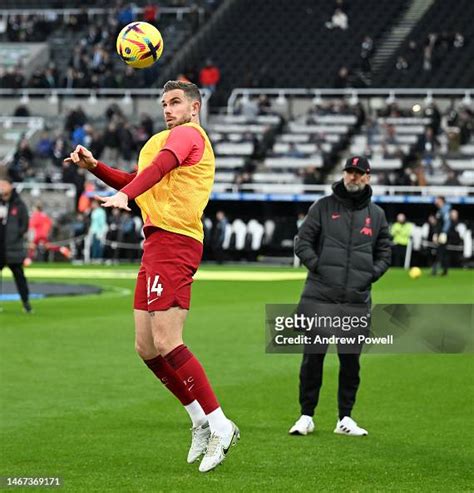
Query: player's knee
x=161 y=344
x=145 y=351
x=165 y=345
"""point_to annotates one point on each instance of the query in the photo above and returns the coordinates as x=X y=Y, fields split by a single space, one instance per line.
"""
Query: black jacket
x=345 y=244
x=13 y=230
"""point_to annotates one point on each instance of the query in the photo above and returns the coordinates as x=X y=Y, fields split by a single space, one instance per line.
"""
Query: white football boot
x=303 y=426
x=199 y=438
x=347 y=426
x=218 y=447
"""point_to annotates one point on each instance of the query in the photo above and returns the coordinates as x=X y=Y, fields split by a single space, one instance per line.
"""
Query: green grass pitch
x=76 y=402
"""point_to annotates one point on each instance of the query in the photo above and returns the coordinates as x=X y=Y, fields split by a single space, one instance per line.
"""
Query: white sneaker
x=347 y=426
x=199 y=438
x=303 y=426
x=218 y=447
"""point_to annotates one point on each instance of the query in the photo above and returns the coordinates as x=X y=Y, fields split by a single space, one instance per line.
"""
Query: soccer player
x=172 y=187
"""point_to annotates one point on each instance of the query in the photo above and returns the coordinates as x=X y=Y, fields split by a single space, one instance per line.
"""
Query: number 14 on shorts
x=154 y=288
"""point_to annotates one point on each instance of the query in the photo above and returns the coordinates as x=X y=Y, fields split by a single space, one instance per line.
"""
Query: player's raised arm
x=112 y=177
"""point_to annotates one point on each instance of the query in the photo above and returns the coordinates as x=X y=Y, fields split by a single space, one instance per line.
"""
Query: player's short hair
x=190 y=90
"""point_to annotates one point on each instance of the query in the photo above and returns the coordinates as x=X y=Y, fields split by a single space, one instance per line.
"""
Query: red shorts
x=168 y=264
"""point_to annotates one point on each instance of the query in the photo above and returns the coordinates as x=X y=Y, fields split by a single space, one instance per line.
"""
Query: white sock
x=196 y=413
x=219 y=423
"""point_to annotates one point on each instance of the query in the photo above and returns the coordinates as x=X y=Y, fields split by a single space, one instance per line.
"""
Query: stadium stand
x=276 y=152
x=438 y=53
x=81 y=44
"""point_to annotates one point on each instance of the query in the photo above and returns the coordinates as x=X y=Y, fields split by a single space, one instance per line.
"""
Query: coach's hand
x=82 y=157
x=119 y=200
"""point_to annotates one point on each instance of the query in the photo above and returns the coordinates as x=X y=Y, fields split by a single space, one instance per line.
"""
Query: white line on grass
x=202 y=275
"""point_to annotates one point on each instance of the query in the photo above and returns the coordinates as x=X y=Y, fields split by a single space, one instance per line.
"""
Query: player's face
x=5 y=190
x=355 y=181
x=177 y=108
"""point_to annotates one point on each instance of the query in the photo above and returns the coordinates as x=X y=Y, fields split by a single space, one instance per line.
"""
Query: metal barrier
x=51 y=13
x=282 y=95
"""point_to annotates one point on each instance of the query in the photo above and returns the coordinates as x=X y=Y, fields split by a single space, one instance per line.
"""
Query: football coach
x=344 y=242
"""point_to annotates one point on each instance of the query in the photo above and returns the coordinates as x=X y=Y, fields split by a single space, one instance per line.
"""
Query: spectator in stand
x=127 y=143
x=183 y=78
x=432 y=112
x=22 y=110
x=70 y=174
x=78 y=229
x=40 y=227
x=21 y=167
x=293 y=151
x=401 y=64
x=428 y=52
x=111 y=142
x=126 y=15
x=300 y=219
x=339 y=20
x=264 y=105
x=113 y=235
x=209 y=76
x=426 y=147
x=143 y=131
x=150 y=13
x=74 y=118
x=127 y=234
x=401 y=233
x=452 y=179
x=58 y=147
x=249 y=108
x=311 y=176
x=44 y=146
x=440 y=238
x=243 y=178
x=458 y=40
x=366 y=52
x=218 y=236
x=454 y=238
x=130 y=78
x=97 y=231
x=342 y=79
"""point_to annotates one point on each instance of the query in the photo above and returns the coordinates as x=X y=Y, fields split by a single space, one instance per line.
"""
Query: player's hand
x=119 y=200
x=435 y=239
x=82 y=157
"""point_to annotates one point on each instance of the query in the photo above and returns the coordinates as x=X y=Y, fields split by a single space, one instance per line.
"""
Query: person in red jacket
x=209 y=76
x=40 y=226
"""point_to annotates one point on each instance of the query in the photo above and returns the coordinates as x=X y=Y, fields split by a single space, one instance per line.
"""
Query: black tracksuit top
x=344 y=242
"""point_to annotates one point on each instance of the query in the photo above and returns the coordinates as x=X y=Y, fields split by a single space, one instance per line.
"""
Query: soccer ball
x=414 y=272
x=139 y=44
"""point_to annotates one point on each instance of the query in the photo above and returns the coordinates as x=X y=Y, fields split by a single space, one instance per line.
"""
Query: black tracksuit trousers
x=311 y=379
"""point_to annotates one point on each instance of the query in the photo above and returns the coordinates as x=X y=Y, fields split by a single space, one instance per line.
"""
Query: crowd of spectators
x=117 y=141
x=93 y=63
x=442 y=137
x=429 y=53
